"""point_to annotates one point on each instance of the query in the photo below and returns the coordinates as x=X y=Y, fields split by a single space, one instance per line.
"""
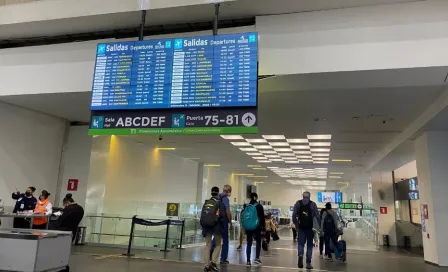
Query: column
x=383 y=196
x=431 y=151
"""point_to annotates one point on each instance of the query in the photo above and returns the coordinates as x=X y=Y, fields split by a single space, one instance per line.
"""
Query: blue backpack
x=250 y=218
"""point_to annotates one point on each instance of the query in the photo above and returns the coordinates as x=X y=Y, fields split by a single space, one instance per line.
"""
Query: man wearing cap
x=305 y=217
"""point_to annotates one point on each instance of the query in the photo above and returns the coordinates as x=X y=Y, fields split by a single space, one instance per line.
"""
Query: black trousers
x=268 y=236
x=251 y=234
x=21 y=223
x=294 y=234
x=321 y=245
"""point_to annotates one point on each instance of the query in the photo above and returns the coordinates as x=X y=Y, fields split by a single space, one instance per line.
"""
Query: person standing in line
x=213 y=213
x=321 y=237
x=226 y=223
x=304 y=215
x=254 y=223
x=43 y=207
x=24 y=202
x=330 y=226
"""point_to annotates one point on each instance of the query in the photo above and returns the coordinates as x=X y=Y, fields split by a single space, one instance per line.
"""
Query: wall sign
x=383 y=210
x=172 y=209
x=204 y=121
x=425 y=211
x=72 y=185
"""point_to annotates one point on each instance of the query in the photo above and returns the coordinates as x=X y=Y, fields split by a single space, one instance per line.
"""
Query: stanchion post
x=182 y=233
x=168 y=223
x=131 y=237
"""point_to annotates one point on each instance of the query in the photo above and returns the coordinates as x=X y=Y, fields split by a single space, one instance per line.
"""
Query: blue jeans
x=225 y=241
x=306 y=236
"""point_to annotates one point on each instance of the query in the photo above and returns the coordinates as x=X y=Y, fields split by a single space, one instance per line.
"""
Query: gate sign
x=172 y=209
x=206 y=121
x=72 y=185
x=351 y=206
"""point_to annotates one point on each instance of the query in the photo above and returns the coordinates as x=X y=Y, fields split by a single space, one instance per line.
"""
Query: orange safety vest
x=41 y=208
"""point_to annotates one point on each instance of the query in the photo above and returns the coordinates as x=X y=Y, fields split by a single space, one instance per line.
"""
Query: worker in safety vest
x=43 y=207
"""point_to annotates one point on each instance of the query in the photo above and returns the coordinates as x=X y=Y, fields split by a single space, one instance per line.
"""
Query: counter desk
x=34 y=250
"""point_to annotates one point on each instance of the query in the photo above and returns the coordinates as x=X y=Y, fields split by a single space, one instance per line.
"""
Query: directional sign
x=205 y=121
x=351 y=206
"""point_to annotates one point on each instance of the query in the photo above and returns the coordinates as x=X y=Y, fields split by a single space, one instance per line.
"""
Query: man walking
x=225 y=223
x=213 y=213
x=304 y=215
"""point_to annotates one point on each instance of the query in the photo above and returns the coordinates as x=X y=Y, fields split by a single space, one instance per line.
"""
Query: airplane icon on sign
x=178 y=44
x=101 y=49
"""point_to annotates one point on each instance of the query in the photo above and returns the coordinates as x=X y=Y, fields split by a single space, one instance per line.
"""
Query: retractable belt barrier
x=152 y=223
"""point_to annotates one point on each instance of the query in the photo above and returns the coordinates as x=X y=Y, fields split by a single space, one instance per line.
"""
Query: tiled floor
x=282 y=256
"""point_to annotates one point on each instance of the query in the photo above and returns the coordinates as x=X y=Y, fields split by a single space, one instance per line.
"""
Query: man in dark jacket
x=256 y=232
x=304 y=215
x=24 y=202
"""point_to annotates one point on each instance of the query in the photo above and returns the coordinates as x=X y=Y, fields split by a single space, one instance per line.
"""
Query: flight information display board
x=195 y=72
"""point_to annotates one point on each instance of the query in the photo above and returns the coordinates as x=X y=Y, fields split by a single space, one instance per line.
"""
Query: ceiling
x=181 y=15
x=361 y=117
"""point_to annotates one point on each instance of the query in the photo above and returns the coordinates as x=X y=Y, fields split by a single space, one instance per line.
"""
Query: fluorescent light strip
x=295 y=141
x=339 y=160
x=264 y=161
x=283 y=149
x=259 y=158
x=241 y=144
x=248 y=149
x=256 y=140
x=300 y=147
x=320 y=144
x=268 y=151
x=254 y=154
x=302 y=152
x=263 y=146
x=320 y=150
x=279 y=144
x=319 y=137
x=274 y=137
x=232 y=137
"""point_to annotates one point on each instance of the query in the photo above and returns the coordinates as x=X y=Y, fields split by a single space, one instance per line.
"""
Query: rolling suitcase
x=341 y=255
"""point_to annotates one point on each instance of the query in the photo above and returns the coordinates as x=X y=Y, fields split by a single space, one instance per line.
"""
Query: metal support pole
x=215 y=21
x=182 y=233
x=142 y=26
x=131 y=237
x=168 y=223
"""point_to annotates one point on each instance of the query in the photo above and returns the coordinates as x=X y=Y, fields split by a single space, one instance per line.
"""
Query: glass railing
x=369 y=225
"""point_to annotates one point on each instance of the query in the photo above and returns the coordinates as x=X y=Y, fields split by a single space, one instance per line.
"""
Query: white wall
x=128 y=178
x=365 y=38
x=383 y=196
x=76 y=163
x=409 y=170
x=30 y=151
x=216 y=177
x=283 y=195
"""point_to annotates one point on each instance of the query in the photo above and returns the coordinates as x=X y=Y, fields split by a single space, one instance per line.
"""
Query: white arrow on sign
x=249 y=119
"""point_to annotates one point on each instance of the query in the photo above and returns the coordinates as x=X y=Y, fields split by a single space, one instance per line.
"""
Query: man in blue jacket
x=24 y=202
x=304 y=215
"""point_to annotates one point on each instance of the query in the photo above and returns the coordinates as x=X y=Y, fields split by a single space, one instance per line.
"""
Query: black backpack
x=305 y=216
x=210 y=213
x=329 y=223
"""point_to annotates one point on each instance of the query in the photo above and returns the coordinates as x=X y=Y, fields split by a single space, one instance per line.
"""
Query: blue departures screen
x=207 y=71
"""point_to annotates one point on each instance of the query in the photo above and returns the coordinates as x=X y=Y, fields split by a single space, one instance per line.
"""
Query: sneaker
x=309 y=266
x=300 y=264
x=224 y=262
x=207 y=269
x=239 y=248
x=248 y=263
x=328 y=258
x=258 y=262
x=213 y=267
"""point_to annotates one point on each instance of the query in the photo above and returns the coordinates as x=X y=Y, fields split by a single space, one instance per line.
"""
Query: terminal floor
x=282 y=256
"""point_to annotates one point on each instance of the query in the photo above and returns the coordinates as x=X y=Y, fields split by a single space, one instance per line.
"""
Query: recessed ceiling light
x=264 y=161
x=279 y=144
x=212 y=165
x=259 y=168
x=274 y=137
x=321 y=155
x=259 y=158
x=272 y=167
x=292 y=162
x=165 y=148
x=321 y=162
x=241 y=143
x=302 y=151
x=232 y=137
x=297 y=141
x=300 y=147
x=283 y=149
x=339 y=160
x=263 y=146
x=287 y=154
x=253 y=165
x=304 y=157
x=334 y=177
x=256 y=140
x=268 y=151
x=277 y=160
x=319 y=137
x=320 y=150
x=249 y=149
x=254 y=154
x=336 y=173
x=320 y=144
x=272 y=156
x=320 y=159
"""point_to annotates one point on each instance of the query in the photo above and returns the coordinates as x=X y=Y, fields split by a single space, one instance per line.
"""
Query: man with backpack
x=254 y=223
x=330 y=227
x=212 y=215
x=304 y=215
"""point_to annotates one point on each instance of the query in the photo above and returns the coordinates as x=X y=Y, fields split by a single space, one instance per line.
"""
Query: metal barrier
x=149 y=223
